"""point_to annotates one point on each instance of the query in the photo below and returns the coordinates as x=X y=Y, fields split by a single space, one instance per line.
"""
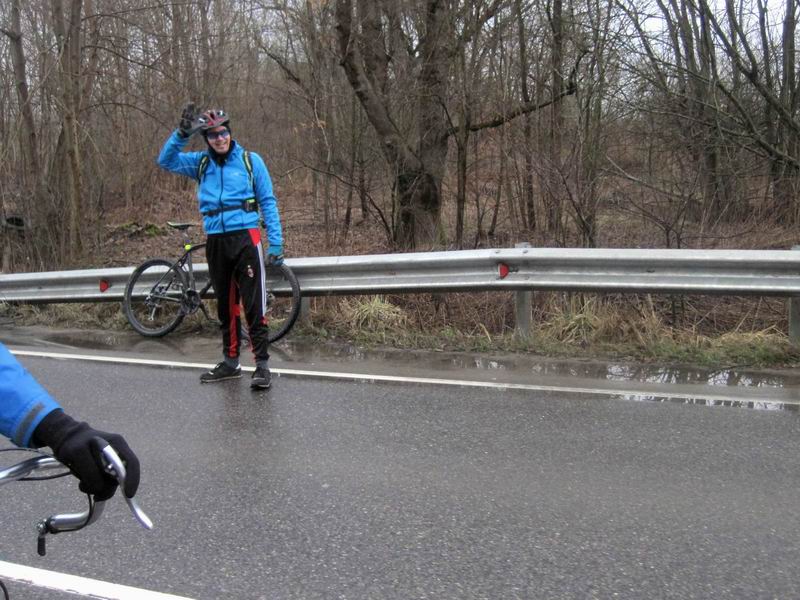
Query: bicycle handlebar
x=26 y=467
x=60 y=523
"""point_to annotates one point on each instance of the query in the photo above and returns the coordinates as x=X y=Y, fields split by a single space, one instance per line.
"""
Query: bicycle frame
x=185 y=263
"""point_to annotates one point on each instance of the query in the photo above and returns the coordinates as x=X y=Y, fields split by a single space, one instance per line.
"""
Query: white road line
x=627 y=392
x=72 y=584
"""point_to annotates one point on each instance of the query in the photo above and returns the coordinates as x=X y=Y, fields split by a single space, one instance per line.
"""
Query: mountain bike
x=161 y=293
x=61 y=523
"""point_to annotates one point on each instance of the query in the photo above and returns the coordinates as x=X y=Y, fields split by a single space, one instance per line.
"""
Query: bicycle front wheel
x=155 y=297
x=283 y=300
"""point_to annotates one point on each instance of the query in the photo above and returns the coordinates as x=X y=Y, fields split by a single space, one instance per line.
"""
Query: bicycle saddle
x=180 y=226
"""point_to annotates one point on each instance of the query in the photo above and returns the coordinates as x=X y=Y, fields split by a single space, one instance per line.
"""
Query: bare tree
x=552 y=183
x=67 y=29
x=419 y=160
x=419 y=165
x=27 y=123
x=529 y=214
x=778 y=134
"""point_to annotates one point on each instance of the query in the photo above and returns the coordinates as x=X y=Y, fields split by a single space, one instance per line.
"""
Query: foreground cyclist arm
x=30 y=417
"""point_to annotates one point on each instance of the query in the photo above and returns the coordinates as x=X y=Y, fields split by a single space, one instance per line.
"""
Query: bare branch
x=528 y=107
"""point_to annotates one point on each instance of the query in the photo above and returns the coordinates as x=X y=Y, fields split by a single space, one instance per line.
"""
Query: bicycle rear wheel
x=283 y=300
x=155 y=296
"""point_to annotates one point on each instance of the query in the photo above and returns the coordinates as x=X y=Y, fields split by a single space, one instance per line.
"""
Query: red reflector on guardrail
x=104 y=285
x=503 y=270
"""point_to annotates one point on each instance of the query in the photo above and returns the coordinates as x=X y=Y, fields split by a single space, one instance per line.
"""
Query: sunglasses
x=214 y=135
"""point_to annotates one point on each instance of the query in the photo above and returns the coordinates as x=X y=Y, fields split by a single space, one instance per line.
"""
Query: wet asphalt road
x=326 y=489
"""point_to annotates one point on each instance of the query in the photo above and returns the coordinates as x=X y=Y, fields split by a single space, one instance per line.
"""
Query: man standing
x=233 y=184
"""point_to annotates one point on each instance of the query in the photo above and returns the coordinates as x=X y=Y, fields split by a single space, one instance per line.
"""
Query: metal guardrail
x=524 y=270
x=725 y=272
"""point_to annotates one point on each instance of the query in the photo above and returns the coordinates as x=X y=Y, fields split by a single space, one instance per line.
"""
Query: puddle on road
x=196 y=346
x=721 y=379
x=294 y=350
x=766 y=405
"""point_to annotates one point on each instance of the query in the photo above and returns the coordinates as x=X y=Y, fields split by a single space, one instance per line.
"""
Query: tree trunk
x=529 y=214
x=552 y=194
x=29 y=144
x=786 y=177
x=461 y=183
x=69 y=43
x=501 y=178
x=122 y=124
x=419 y=200
x=418 y=170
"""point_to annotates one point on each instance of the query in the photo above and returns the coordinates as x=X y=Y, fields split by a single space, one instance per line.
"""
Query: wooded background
x=436 y=124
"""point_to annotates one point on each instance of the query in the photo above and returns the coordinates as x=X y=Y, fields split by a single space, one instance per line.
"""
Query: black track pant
x=236 y=267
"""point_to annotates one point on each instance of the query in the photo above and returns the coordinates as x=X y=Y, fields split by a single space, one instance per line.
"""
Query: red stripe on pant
x=233 y=312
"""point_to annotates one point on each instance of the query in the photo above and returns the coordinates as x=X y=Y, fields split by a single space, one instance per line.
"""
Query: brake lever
x=114 y=466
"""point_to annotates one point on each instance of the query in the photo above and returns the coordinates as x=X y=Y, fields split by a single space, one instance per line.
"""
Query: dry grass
x=373 y=314
x=571 y=327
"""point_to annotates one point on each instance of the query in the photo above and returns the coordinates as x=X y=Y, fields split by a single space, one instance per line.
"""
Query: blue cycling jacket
x=226 y=185
x=23 y=402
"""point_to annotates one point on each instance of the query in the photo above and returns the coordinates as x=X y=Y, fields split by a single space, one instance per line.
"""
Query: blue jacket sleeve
x=23 y=401
x=172 y=158
x=262 y=184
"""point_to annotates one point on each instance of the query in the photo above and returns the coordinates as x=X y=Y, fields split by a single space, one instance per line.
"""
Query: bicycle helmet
x=213 y=118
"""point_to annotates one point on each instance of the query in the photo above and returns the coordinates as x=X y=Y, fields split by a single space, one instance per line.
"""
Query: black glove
x=186 y=127
x=74 y=444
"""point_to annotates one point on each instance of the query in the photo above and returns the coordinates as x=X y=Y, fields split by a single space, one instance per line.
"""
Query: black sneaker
x=262 y=379
x=220 y=373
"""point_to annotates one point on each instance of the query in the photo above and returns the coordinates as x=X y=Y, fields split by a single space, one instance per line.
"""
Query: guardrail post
x=523 y=304
x=305 y=309
x=794 y=316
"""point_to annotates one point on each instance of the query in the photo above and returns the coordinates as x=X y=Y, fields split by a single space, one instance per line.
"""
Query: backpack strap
x=201 y=168
x=249 y=166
